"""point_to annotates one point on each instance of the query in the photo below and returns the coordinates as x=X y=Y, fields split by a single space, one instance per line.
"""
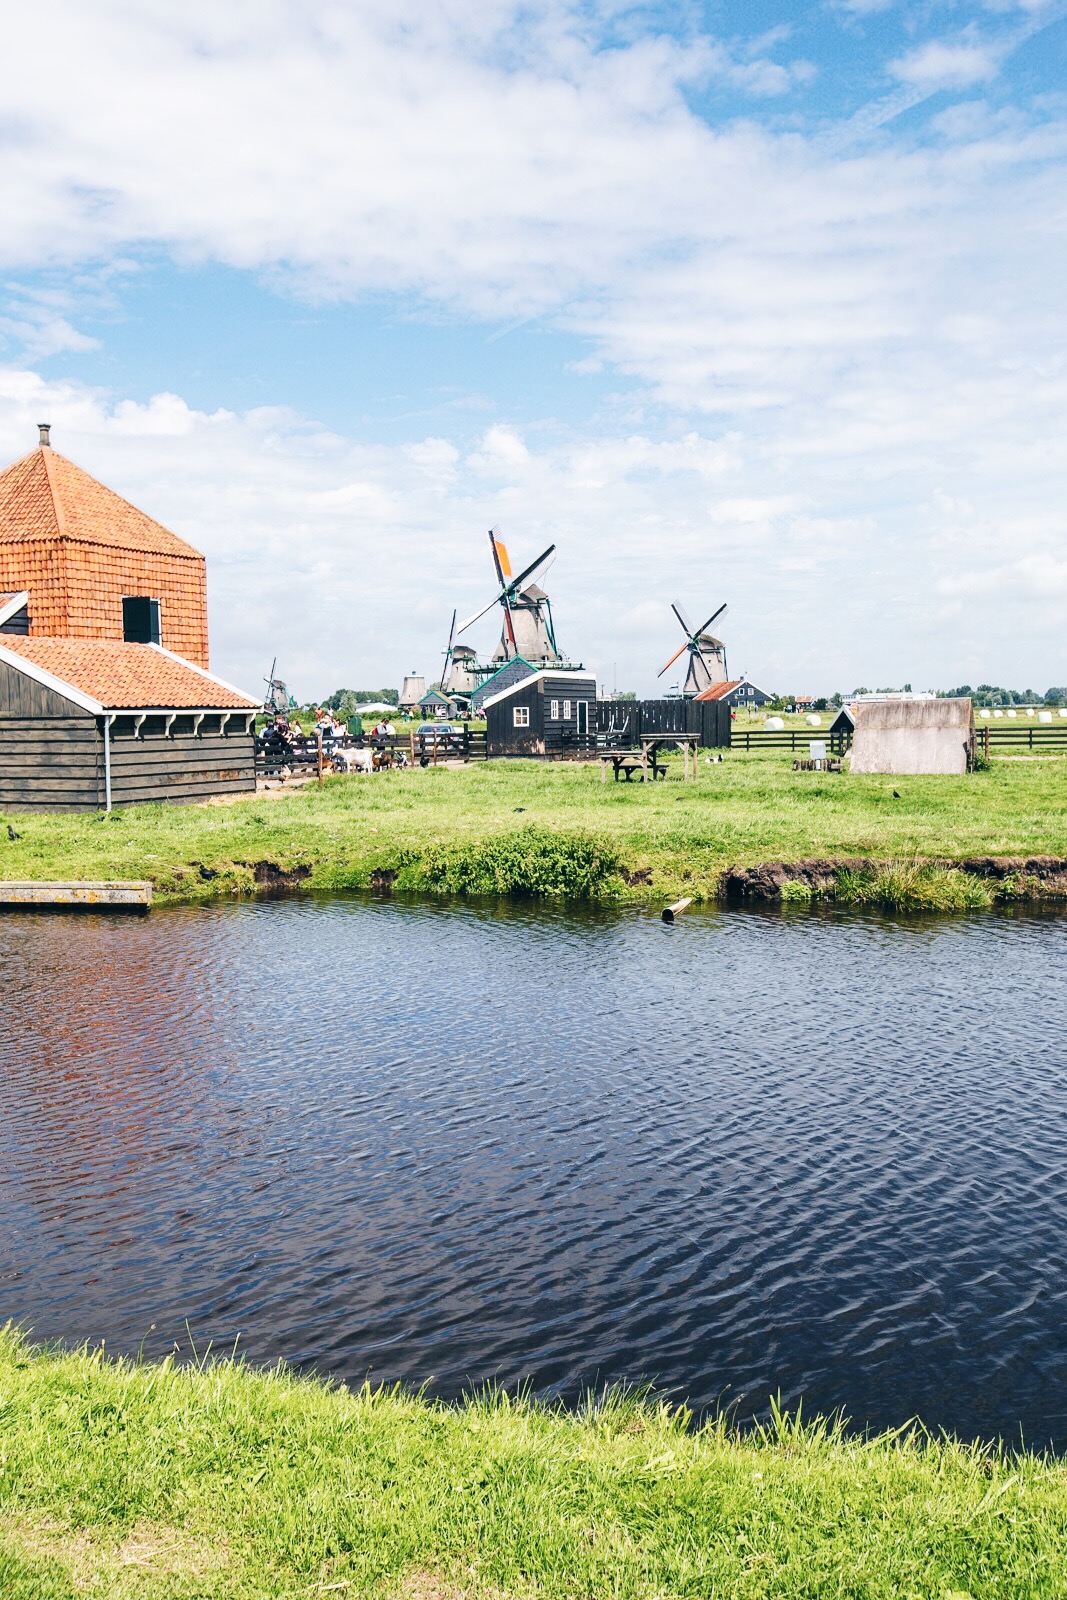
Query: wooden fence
x=989 y=738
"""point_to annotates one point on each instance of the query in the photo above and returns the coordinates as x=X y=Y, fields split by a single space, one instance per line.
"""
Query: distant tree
x=860 y=691
x=837 y=699
x=820 y=705
x=627 y=694
x=345 y=701
x=1055 y=697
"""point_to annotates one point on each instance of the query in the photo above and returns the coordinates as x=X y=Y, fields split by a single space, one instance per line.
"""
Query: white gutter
x=108 y=720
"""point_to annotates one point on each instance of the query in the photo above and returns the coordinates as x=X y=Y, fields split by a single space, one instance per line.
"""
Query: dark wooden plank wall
x=51 y=763
x=18 y=624
x=57 y=764
x=23 y=696
x=184 y=768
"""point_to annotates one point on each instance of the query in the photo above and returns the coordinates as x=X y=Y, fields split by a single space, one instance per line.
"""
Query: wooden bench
x=627 y=762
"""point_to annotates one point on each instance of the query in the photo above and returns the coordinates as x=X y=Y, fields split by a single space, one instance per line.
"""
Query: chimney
x=45 y=429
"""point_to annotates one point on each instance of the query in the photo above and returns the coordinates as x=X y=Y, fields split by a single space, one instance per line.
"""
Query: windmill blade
x=526 y=571
x=723 y=609
x=448 y=652
x=681 y=651
x=684 y=620
x=495 y=601
x=501 y=559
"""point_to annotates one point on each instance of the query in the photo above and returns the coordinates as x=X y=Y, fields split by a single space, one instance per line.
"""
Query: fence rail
x=1041 y=737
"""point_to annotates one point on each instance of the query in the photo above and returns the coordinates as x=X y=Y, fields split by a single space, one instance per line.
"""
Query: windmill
x=528 y=630
x=460 y=675
x=707 y=653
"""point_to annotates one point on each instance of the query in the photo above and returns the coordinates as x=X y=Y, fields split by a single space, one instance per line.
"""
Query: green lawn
x=125 y=1482
x=445 y=828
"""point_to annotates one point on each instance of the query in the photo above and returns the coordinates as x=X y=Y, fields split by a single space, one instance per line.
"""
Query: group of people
x=332 y=730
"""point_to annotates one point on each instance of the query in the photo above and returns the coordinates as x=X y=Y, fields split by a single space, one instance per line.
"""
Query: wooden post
x=411 y=733
x=670 y=912
x=318 y=753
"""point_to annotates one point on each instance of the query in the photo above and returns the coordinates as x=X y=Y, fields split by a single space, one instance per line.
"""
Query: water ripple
x=752 y=1153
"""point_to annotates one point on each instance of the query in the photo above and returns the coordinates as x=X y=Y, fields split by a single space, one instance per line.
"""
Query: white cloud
x=346 y=560
x=866 y=334
x=943 y=65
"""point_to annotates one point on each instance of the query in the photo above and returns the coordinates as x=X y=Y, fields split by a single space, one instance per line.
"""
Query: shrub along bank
x=139 y=1482
x=555 y=829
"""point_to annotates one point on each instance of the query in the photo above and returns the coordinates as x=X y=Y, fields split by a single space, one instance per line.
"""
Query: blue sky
x=760 y=303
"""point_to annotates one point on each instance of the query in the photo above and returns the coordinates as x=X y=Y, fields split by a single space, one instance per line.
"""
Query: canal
x=814 y=1154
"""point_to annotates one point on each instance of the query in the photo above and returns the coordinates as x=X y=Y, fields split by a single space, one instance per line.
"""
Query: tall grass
x=223 y=1483
x=915 y=885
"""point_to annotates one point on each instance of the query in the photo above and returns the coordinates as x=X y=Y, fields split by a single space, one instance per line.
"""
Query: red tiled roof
x=131 y=677
x=45 y=496
x=718 y=691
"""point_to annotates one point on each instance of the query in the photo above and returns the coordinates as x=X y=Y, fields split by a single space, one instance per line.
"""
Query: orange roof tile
x=717 y=691
x=129 y=677
x=45 y=496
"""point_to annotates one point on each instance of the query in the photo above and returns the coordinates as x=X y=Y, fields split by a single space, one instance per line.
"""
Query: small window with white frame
x=553 y=710
x=566 y=711
x=522 y=716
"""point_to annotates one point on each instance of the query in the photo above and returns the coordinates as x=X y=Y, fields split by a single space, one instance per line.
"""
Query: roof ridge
x=61 y=526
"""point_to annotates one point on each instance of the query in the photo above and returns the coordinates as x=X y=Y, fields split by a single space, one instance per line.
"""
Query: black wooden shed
x=546 y=713
x=86 y=724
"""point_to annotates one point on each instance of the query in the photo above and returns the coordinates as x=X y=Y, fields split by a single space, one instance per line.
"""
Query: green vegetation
x=142 y=1482
x=554 y=828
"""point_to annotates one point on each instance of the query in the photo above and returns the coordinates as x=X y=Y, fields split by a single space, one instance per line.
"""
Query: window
x=522 y=716
x=140 y=619
x=553 y=709
x=566 y=711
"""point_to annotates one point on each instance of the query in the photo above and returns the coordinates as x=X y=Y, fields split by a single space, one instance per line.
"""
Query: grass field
x=128 y=1482
x=553 y=828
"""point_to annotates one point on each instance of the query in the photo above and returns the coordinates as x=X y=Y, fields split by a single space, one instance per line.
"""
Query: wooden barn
x=105 y=697
x=85 y=725
x=545 y=713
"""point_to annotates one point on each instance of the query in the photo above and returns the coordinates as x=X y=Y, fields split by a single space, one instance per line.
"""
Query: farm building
x=543 y=713
x=91 y=565
x=913 y=736
x=87 y=724
x=436 y=704
x=105 y=697
x=736 y=693
x=513 y=671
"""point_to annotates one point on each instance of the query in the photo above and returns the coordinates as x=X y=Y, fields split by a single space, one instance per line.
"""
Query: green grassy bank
x=528 y=827
x=153 y=1483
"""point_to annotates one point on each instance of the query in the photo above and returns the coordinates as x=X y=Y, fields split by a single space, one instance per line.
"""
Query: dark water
x=752 y=1152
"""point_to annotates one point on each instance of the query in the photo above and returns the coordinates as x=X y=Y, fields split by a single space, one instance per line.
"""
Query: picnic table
x=624 y=763
x=648 y=759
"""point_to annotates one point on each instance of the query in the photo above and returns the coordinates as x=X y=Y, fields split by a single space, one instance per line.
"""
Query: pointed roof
x=45 y=496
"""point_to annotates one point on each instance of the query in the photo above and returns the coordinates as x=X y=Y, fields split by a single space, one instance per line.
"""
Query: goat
x=354 y=760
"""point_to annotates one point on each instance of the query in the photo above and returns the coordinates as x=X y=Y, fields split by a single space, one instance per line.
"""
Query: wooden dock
x=101 y=896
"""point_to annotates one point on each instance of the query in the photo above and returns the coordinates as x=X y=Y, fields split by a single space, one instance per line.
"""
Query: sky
x=760 y=303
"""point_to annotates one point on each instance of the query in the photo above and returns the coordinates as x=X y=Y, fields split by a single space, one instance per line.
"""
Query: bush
x=536 y=862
